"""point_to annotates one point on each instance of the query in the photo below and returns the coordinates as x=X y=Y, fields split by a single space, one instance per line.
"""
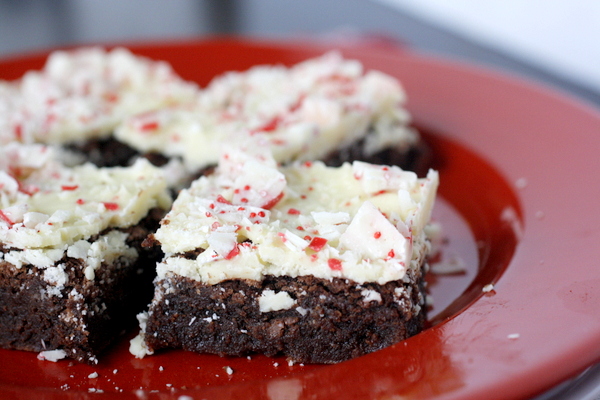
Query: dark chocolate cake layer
x=330 y=321
x=416 y=158
x=109 y=152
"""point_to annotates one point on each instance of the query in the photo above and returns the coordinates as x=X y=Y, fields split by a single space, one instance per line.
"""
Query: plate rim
x=482 y=73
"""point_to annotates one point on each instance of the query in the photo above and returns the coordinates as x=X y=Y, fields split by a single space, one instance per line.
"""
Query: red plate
x=519 y=203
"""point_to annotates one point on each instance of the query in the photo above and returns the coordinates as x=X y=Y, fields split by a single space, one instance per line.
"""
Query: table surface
x=48 y=23
x=557 y=36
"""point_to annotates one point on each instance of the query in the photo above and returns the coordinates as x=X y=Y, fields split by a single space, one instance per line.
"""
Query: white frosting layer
x=137 y=345
x=360 y=221
x=303 y=113
x=106 y=249
x=45 y=205
x=84 y=93
x=52 y=355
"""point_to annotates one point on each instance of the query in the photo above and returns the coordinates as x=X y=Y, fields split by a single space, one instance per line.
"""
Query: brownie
x=82 y=317
x=85 y=93
x=73 y=272
x=330 y=267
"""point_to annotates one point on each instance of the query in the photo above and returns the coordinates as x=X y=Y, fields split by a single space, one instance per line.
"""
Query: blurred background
x=553 y=41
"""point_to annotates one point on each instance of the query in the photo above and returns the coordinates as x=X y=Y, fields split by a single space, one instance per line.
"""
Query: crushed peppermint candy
x=317 y=243
x=335 y=264
x=488 y=288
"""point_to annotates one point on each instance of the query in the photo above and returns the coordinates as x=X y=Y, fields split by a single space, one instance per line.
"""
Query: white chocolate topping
x=85 y=93
x=359 y=221
x=303 y=113
x=46 y=205
x=271 y=301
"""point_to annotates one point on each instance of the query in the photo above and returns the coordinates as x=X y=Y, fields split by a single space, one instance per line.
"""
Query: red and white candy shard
x=254 y=178
x=223 y=243
x=377 y=178
x=373 y=236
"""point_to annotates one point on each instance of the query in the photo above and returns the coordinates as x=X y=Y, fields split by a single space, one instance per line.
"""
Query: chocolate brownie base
x=109 y=152
x=416 y=158
x=331 y=320
x=87 y=315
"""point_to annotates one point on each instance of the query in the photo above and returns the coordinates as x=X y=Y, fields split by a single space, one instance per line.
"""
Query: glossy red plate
x=519 y=205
